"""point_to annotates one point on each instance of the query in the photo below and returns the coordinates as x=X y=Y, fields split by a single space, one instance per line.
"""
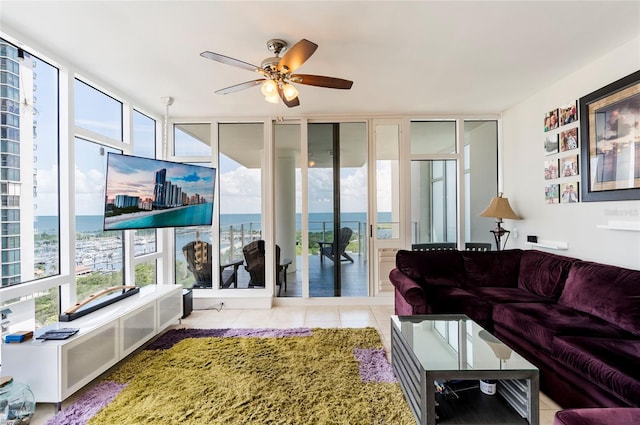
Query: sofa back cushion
x=433 y=267
x=543 y=273
x=608 y=292
x=492 y=268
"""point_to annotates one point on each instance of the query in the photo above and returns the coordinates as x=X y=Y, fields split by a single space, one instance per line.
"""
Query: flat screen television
x=142 y=193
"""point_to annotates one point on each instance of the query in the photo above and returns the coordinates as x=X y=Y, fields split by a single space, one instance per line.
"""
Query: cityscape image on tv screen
x=148 y=193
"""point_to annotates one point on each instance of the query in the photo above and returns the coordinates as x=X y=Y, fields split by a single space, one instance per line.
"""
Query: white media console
x=56 y=369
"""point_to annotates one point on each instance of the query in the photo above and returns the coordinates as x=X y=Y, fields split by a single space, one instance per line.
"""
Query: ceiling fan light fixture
x=277 y=73
x=289 y=91
x=272 y=99
x=269 y=88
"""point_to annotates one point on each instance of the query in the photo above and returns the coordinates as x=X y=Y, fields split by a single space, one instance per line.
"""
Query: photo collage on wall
x=561 y=172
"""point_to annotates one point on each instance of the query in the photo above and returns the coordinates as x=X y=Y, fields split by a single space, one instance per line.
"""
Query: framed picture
x=552 y=194
x=610 y=129
x=551 y=169
x=569 y=193
x=569 y=166
x=551 y=144
x=568 y=140
x=569 y=113
x=551 y=120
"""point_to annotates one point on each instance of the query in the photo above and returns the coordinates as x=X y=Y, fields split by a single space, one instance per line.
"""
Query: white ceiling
x=404 y=57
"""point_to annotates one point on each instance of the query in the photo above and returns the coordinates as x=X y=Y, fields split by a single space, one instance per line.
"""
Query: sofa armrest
x=410 y=290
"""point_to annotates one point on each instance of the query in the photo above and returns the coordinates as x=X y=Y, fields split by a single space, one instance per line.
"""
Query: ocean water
x=104 y=252
x=94 y=223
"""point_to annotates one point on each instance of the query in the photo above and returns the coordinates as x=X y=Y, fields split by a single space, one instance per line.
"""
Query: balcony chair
x=327 y=248
x=198 y=256
x=254 y=255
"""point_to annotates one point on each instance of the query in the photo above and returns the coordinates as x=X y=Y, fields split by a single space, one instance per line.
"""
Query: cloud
x=89 y=193
x=241 y=191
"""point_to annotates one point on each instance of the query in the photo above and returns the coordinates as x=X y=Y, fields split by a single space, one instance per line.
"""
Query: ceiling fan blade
x=296 y=56
x=290 y=103
x=321 y=81
x=240 y=86
x=229 y=61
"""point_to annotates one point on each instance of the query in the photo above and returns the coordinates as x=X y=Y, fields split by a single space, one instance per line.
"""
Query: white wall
x=524 y=183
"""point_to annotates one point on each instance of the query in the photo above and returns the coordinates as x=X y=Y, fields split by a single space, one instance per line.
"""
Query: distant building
x=168 y=195
x=126 y=201
x=146 y=204
x=18 y=171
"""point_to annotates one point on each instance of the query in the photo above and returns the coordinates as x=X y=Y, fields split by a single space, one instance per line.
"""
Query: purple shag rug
x=373 y=365
x=88 y=405
x=173 y=336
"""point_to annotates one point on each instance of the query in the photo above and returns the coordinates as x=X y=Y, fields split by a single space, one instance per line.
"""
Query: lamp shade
x=269 y=88
x=499 y=208
x=289 y=91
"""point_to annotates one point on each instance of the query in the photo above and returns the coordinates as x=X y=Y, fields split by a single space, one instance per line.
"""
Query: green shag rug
x=312 y=376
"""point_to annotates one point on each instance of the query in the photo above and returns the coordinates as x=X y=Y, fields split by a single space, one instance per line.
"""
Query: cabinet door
x=169 y=309
x=87 y=356
x=137 y=328
x=35 y=364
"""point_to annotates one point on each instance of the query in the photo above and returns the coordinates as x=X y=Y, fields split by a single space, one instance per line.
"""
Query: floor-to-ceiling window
x=192 y=144
x=241 y=161
x=30 y=199
x=99 y=127
x=145 y=240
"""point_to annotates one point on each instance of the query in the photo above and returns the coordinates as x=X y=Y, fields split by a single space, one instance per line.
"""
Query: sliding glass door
x=337 y=209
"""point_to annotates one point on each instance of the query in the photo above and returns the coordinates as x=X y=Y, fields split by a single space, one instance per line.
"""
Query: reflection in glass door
x=337 y=205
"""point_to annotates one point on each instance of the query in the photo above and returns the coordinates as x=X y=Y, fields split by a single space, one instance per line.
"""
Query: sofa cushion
x=609 y=292
x=543 y=273
x=451 y=300
x=540 y=322
x=492 y=268
x=598 y=416
x=611 y=362
x=432 y=267
x=508 y=295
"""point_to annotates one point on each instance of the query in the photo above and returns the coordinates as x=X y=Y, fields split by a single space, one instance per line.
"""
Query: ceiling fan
x=277 y=72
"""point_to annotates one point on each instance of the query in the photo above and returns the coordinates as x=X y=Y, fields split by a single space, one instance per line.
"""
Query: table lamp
x=499 y=209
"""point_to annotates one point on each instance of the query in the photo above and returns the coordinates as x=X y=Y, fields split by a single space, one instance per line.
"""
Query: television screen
x=148 y=193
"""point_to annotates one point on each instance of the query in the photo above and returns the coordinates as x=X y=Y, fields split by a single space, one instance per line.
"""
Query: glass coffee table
x=442 y=361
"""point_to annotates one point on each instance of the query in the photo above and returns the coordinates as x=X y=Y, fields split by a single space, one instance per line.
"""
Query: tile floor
x=291 y=317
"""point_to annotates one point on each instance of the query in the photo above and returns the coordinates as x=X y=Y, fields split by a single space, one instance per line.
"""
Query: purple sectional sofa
x=577 y=321
x=598 y=416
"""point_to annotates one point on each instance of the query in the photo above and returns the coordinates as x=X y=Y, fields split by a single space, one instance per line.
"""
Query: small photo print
x=568 y=113
x=569 y=166
x=551 y=169
x=569 y=192
x=551 y=144
x=551 y=120
x=569 y=140
x=552 y=194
